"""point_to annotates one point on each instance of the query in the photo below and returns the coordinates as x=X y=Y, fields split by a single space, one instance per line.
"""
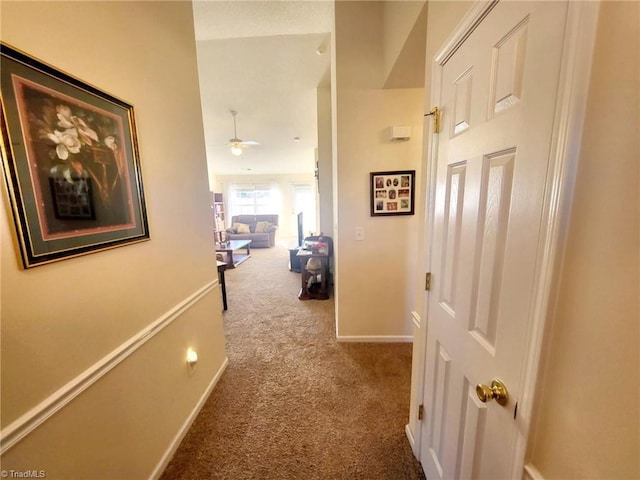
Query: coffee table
x=233 y=260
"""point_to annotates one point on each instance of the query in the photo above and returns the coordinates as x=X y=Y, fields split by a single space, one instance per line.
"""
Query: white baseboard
x=531 y=473
x=412 y=440
x=168 y=455
x=375 y=339
x=32 y=419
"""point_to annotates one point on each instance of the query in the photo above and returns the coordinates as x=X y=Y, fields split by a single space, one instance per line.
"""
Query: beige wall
x=589 y=408
x=325 y=162
x=399 y=19
x=359 y=45
x=375 y=276
x=60 y=320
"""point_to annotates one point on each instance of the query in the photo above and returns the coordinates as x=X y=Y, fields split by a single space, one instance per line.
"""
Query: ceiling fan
x=236 y=144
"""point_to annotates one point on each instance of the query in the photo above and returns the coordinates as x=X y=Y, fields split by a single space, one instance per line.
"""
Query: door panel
x=440 y=402
x=491 y=231
x=474 y=415
x=453 y=223
x=507 y=68
x=498 y=101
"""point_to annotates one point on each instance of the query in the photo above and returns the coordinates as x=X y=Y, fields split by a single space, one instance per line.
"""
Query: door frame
x=577 y=52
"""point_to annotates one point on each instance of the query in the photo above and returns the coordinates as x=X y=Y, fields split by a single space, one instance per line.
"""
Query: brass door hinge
x=435 y=113
x=427 y=282
x=420 y=412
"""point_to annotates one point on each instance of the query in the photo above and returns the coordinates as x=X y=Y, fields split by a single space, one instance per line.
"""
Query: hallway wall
x=374 y=277
x=588 y=424
x=90 y=325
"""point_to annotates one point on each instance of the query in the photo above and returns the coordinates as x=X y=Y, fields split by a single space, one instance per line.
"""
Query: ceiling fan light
x=236 y=150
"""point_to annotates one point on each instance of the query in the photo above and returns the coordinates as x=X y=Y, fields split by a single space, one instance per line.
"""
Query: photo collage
x=392 y=193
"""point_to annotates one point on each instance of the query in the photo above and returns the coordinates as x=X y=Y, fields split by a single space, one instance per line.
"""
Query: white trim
x=466 y=27
x=168 y=454
x=375 y=339
x=417 y=321
x=430 y=161
x=417 y=392
x=407 y=430
x=531 y=473
x=29 y=421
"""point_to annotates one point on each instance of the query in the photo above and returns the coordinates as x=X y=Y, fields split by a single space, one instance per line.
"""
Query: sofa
x=260 y=229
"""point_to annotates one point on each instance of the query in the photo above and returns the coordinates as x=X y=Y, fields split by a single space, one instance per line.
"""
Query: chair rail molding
x=532 y=473
x=36 y=416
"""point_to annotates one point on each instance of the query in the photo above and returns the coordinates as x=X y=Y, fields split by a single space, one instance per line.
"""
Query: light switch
x=359 y=233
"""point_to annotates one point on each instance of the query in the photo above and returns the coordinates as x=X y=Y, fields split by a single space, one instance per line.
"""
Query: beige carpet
x=293 y=403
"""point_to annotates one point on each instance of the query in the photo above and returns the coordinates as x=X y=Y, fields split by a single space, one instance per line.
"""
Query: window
x=252 y=200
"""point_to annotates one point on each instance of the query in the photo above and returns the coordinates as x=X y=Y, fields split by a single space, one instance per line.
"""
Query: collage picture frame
x=392 y=192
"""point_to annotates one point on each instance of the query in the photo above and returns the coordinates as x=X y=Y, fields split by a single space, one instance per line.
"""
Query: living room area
x=239 y=233
x=273 y=149
x=265 y=209
x=299 y=377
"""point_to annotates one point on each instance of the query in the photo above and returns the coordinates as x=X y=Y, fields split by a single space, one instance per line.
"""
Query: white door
x=498 y=98
x=304 y=201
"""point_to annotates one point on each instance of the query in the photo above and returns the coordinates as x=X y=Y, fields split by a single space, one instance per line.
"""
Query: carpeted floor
x=294 y=403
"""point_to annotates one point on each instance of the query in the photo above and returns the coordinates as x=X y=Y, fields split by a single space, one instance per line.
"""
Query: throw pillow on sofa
x=261 y=227
x=241 y=228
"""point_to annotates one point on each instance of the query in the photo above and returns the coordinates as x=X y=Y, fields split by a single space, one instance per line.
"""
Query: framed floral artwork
x=392 y=193
x=70 y=161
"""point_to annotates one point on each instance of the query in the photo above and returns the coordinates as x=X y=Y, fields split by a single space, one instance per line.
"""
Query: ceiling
x=260 y=58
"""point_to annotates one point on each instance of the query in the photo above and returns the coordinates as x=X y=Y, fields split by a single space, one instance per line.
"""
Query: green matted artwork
x=392 y=193
x=70 y=161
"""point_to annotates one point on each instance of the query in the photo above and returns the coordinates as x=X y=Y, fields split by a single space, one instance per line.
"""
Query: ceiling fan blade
x=238 y=142
x=242 y=143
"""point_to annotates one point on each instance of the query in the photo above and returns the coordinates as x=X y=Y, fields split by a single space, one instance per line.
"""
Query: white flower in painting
x=110 y=142
x=68 y=121
x=66 y=142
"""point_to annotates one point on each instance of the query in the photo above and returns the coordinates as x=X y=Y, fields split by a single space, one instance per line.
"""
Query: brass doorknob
x=496 y=391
